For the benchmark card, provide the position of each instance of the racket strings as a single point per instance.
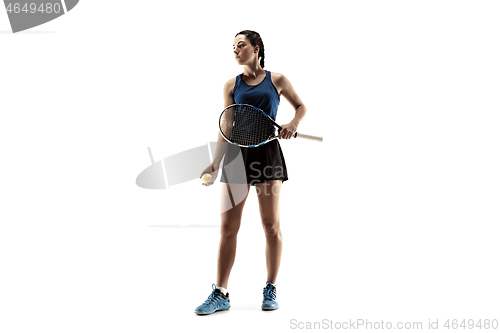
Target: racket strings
(246, 126)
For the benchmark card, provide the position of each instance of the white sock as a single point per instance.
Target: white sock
(223, 290)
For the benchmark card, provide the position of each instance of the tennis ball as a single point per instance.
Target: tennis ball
(206, 178)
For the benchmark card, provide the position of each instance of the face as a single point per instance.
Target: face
(243, 50)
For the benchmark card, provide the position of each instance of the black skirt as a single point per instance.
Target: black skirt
(254, 165)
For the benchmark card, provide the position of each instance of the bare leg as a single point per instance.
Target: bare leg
(269, 195)
(233, 195)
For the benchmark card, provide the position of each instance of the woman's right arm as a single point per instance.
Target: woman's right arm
(221, 142)
(213, 168)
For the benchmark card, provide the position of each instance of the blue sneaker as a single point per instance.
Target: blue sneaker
(216, 301)
(269, 302)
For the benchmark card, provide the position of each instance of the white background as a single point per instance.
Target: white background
(393, 217)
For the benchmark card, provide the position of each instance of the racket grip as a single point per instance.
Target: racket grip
(308, 137)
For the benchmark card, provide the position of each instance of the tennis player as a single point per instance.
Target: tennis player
(263, 167)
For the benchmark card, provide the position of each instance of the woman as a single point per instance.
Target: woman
(263, 167)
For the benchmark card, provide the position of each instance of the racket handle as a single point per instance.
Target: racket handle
(308, 137)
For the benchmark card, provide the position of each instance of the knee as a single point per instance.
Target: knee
(271, 227)
(227, 230)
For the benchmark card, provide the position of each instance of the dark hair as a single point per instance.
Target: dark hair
(255, 40)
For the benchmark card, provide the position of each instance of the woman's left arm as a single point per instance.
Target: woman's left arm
(300, 109)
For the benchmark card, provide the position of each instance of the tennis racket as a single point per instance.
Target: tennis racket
(245, 125)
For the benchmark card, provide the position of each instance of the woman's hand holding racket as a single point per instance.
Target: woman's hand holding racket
(209, 175)
(288, 130)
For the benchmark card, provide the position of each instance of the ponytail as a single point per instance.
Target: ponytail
(261, 54)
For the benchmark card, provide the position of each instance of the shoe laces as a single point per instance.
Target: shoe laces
(270, 292)
(214, 297)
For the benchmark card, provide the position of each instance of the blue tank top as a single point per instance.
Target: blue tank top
(263, 95)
